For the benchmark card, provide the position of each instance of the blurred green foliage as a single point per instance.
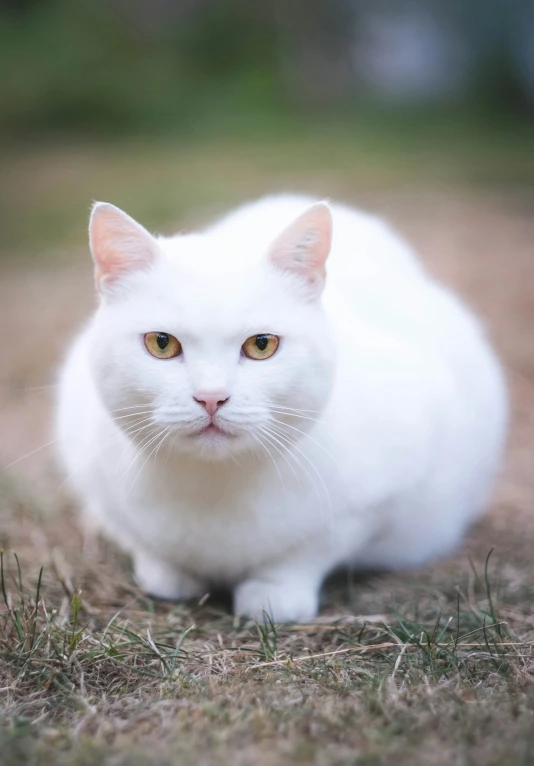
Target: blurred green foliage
(197, 66)
(96, 67)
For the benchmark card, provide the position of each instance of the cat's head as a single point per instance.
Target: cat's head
(216, 346)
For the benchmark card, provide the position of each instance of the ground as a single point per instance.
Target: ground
(428, 667)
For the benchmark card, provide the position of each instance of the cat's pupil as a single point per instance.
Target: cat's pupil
(262, 342)
(162, 339)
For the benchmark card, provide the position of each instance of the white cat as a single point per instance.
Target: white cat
(232, 416)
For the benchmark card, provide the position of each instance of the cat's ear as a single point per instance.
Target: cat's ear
(303, 247)
(119, 245)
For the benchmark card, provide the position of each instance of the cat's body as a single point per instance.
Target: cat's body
(382, 413)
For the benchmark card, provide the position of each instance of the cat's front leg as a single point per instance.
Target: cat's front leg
(284, 596)
(163, 580)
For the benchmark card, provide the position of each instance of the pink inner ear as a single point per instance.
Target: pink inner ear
(304, 246)
(119, 244)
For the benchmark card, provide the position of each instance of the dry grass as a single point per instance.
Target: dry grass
(436, 663)
(429, 667)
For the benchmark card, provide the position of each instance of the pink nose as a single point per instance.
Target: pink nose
(211, 402)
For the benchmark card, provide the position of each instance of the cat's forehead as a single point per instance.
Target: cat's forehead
(194, 289)
(203, 255)
(205, 271)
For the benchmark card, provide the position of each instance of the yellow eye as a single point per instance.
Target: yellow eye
(260, 346)
(162, 345)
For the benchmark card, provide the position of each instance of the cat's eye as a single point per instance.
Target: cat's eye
(260, 346)
(162, 345)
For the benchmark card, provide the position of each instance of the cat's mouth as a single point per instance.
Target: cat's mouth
(213, 430)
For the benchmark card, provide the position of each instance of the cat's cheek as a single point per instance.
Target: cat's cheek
(119, 381)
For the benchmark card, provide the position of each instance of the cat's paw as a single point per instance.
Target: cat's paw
(164, 581)
(283, 602)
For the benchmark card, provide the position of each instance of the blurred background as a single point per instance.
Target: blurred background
(175, 110)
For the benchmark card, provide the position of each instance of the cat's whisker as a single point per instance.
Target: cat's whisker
(295, 415)
(312, 465)
(282, 454)
(38, 388)
(167, 433)
(160, 436)
(262, 444)
(131, 407)
(285, 446)
(133, 415)
(146, 441)
(298, 410)
(29, 454)
(130, 431)
(235, 461)
(294, 409)
(138, 450)
(274, 427)
(170, 449)
(245, 414)
(303, 433)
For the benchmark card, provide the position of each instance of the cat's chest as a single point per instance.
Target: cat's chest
(221, 532)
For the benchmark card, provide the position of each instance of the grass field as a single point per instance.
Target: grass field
(428, 667)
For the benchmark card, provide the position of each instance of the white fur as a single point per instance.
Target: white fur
(392, 403)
